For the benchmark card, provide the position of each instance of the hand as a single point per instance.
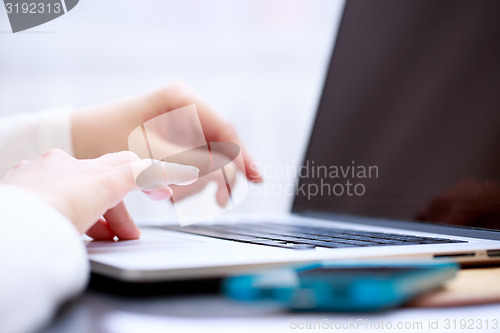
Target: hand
(89, 192)
(103, 129)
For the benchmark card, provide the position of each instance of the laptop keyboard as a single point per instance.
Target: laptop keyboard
(301, 237)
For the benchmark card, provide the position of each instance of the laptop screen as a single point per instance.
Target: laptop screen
(408, 126)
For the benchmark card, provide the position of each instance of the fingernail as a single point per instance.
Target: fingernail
(161, 174)
(180, 174)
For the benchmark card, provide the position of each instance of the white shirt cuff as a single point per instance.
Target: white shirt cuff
(43, 260)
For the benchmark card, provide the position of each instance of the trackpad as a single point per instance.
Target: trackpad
(150, 239)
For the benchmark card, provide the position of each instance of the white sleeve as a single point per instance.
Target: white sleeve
(26, 136)
(42, 260)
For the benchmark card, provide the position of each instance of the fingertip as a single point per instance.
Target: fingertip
(137, 233)
(179, 174)
(121, 223)
(100, 231)
(222, 196)
(159, 194)
(254, 175)
(255, 178)
(132, 233)
(222, 202)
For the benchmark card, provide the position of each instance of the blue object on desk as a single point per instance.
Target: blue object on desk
(341, 286)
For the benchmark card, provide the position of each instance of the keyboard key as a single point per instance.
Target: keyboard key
(286, 245)
(304, 237)
(395, 242)
(332, 245)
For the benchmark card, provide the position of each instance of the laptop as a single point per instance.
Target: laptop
(402, 160)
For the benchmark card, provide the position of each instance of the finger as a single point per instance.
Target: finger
(158, 195)
(179, 174)
(181, 192)
(120, 180)
(101, 231)
(115, 159)
(229, 134)
(159, 174)
(120, 222)
(152, 175)
(224, 195)
(214, 126)
(221, 195)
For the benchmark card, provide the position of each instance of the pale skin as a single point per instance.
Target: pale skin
(103, 179)
(105, 128)
(89, 192)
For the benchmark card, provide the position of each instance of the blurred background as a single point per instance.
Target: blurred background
(260, 62)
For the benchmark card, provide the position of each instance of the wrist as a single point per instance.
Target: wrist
(97, 131)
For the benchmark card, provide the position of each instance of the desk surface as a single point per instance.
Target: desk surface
(96, 311)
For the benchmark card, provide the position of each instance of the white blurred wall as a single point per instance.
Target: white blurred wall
(261, 62)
